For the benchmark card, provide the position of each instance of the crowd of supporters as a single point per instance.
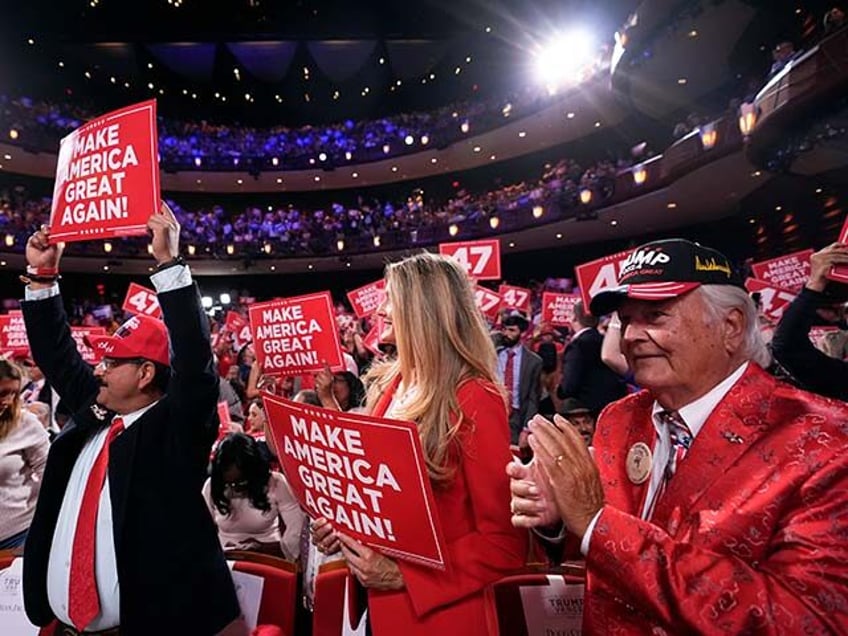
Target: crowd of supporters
(292, 230)
(206, 145)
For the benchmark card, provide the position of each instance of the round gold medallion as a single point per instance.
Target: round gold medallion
(639, 461)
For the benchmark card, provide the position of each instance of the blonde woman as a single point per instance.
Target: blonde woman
(444, 380)
(23, 454)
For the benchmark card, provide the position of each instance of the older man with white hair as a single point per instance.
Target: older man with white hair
(716, 498)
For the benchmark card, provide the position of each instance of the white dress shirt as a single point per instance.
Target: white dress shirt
(694, 414)
(515, 390)
(105, 563)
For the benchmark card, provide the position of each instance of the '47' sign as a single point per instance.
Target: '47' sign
(481, 259)
(515, 298)
(143, 301)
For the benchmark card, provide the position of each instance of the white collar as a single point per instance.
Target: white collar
(580, 332)
(695, 413)
(130, 418)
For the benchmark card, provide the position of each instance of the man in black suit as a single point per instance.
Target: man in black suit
(122, 541)
(520, 371)
(584, 375)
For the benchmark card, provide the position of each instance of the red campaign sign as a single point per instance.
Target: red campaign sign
(366, 299)
(558, 309)
(788, 272)
(142, 301)
(372, 338)
(240, 328)
(366, 475)
(13, 333)
(599, 274)
(79, 335)
(840, 272)
(107, 176)
(224, 421)
(481, 259)
(296, 335)
(487, 301)
(774, 299)
(515, 298)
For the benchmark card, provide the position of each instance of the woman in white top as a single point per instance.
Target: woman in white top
(23, 454)
(252, 506)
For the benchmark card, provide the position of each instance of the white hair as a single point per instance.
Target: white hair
(721, 299)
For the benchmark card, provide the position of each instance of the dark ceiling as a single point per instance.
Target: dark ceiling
(195, 47)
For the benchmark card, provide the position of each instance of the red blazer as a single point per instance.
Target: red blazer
(751, 535)
(482, 546)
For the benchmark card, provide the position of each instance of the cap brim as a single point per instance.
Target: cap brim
(608, 300)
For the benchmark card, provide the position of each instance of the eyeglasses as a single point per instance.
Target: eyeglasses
(110, 363)
(237, 486)
(6, 393)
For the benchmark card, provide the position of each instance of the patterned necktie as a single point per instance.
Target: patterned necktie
(681, 440)
(509, 375)
(83, 601)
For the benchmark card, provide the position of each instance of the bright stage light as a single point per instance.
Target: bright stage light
(561, 59)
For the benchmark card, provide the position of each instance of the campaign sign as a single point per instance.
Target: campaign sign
(236, 324)
(296, 335)
(142, 301)
(107, 177)
(558, 309)
(365, 475)
(487, 301)
(13, 333)
(515, 298)
(774, 299)
(224, 420)
(371, 340)
(481, 259)
(365, 300)
(788, 272)
(79, 334)
(599, 274)
(840, 272)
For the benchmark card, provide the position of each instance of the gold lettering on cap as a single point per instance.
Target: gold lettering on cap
(711, 265)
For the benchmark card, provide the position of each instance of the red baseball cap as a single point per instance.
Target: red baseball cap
(139, 337)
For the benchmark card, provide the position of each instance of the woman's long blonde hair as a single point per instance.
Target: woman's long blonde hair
(442, 341)
(9, 419)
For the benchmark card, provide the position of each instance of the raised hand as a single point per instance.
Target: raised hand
(822, 261)
(40, 253)
(166, 234)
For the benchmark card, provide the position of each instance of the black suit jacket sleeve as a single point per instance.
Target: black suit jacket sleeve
(792, 347)
(55, 352)
(193, 391)
(535, 393)
(573, 370)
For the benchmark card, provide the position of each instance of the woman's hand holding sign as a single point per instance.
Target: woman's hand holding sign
(372, 569)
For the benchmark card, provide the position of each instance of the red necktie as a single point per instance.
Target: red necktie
(681, 439)
(83, 602)
(509, 375)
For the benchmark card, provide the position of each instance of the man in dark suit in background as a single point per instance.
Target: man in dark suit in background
(584, 375)
(520, 371)
(122, 542)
